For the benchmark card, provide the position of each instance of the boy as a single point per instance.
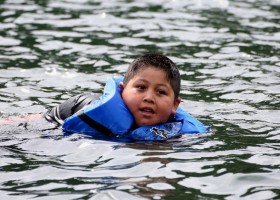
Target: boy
(150, 90)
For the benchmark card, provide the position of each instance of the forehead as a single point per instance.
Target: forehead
(153, 76)
(150, 70)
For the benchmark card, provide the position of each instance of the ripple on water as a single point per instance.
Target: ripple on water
(4, 41)
(227, 53)
(235, 185)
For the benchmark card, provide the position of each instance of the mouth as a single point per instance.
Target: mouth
(147, 111)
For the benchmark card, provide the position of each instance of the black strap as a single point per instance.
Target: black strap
(94, 124)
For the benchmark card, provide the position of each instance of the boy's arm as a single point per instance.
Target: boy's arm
(20, 119)
(62, 111)
(55, 115)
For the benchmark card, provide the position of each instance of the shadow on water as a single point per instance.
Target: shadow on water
(227, 52)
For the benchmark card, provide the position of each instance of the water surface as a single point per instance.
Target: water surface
(228, 55)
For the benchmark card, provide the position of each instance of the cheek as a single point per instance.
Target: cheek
(130, 101)
(172, 108)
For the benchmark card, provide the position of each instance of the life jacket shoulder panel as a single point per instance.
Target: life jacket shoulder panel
(108, 113)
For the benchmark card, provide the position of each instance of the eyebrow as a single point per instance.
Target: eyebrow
(159, 84)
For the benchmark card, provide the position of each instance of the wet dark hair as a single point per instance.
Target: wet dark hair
(158, 61)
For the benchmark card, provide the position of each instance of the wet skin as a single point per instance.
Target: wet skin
(150, 97)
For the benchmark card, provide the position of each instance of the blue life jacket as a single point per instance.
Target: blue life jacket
(110, 116)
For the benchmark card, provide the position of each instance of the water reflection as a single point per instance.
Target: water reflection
(227, 51)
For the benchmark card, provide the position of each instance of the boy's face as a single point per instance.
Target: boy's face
(150, 97)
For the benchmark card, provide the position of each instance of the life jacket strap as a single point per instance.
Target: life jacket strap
(94, 124)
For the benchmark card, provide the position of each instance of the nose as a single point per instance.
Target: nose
(149, 96)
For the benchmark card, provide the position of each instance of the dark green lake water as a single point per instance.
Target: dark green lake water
(228, 54)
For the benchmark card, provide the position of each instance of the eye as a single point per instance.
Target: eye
(162, 92)
(141, 87)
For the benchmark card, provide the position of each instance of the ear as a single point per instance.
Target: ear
(121, 85)
(175, 106)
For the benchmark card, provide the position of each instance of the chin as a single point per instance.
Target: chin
(144, 124)
(149, 124)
